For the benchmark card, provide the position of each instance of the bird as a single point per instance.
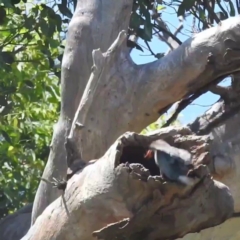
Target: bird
(174, 163)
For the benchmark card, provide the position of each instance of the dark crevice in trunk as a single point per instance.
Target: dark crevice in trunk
(134, 154)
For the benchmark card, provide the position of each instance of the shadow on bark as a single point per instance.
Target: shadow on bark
(122, 196)
(16, 225)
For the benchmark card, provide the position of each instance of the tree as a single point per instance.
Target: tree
(98, 85)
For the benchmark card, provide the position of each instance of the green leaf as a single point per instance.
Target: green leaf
(44, 26)
(29, 83)
(10, 148)
(148, 31)
(64, 10)
(15, 122)
(15, 2)
(232, 9)
(221, 15)
(185, 6)
(160, 7)
(2, 15)
(133, 44)
(6, 136)
(202, 14)
(7, 57)
(135, 20)
(144, 11)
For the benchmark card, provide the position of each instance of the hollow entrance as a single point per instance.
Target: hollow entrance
(135, 154)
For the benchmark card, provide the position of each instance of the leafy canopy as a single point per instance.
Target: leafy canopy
(30, 50)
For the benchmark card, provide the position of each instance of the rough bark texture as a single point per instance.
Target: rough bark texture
(91, 27)
(116, 96)
(116, 191)
(132, 95)
(229, 230)
(225, 150)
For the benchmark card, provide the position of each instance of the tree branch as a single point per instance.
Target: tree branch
(188, 100)
(121, 181)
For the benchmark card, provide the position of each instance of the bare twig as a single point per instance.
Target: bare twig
(61, 185)
(222, 9)
(150, 50)
(188, 100)
(181, 105)
(167, 32)
(201, 105)
(211, 11)
(219, 90)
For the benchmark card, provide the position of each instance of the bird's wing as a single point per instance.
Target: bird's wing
(163, 146)
(177, 154)
(159, 145)
(185, 156)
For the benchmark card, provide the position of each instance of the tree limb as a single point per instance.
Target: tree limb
(132, 95)
(126, 194)
(188, 100)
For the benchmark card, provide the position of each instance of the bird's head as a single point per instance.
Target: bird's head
(149, 154)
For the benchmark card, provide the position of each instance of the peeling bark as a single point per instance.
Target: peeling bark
(225, 164)
(116, 96)
(133, 95)
(91, 27)
(226, 152)
(224, 149)
(117, 191)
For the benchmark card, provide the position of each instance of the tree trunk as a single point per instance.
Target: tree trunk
(91, 27)
(226, 151)
(116, 197)
(115, 96)
(120, 88)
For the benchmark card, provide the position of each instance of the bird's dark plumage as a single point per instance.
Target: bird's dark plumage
(174, 163)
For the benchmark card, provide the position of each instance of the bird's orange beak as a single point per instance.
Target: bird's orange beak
(149, 154)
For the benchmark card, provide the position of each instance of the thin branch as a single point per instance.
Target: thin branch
(150, 50)
(181, 105)
(167, 32)
(211, 11)
(188, 100)
(222, 8)
(238, 7)
(219, 90)
(167, 37)
(180, 27)
(201, 105)
(219, 120)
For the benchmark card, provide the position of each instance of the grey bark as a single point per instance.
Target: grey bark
(114, 199)
(225, 151)
(132, 95)
(91, 27)
(121, 96)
